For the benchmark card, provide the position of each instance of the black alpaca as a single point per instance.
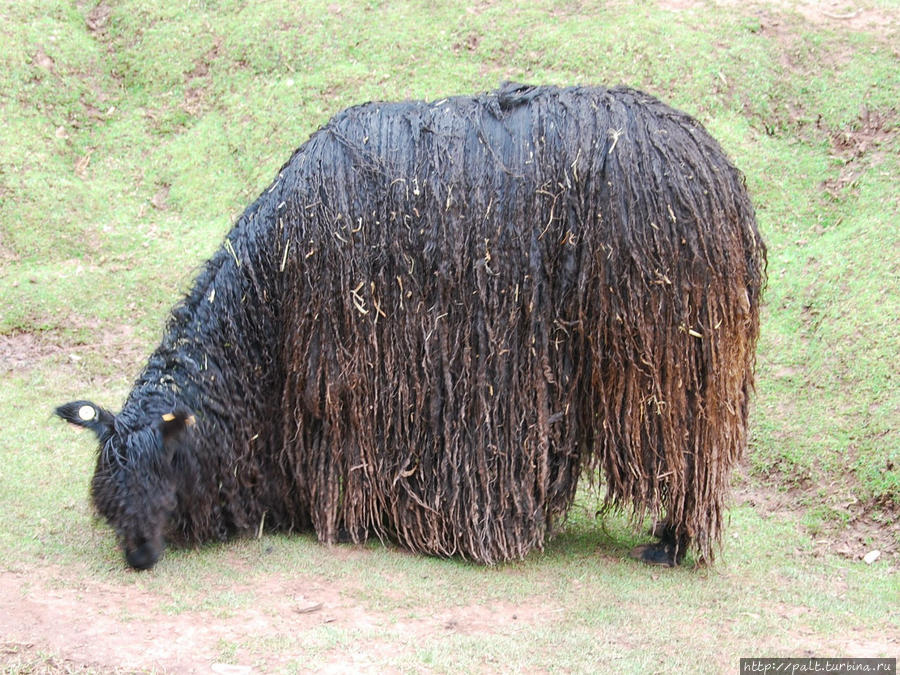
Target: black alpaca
(437, 318)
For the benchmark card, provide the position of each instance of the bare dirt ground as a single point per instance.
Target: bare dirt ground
(81, 627)
(844, 14)
(53, 622)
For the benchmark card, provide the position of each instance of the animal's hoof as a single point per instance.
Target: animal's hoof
(655, 554)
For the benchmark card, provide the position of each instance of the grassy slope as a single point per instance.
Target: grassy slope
(132, 135)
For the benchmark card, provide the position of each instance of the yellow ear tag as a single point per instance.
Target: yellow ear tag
(87, 413)
(168, 417)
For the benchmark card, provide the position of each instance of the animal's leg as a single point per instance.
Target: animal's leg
(670, 549)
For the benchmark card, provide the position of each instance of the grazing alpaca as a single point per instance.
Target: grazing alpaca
(437, 318)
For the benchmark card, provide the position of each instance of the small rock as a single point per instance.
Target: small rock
(306, 608)
(871, 557)
(43, 60)
(159, 200)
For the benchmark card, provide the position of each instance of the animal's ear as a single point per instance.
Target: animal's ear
(88, 415)
(173, 423)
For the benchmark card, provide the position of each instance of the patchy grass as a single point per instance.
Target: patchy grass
(133, 133)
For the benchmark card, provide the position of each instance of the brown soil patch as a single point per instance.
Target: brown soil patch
(679, 5)
(786, 33)
(883, 22)
(861, 528)
(21, 351)
(848, 15)
(872, 129)
(97, 19)
(857, 147)
(51, 622)
(197, 80)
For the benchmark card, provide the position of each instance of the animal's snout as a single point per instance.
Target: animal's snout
(144, 556)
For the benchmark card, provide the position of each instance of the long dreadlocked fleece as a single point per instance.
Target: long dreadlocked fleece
(440, 315)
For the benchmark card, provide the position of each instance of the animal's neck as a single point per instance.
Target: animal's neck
(220, 356)
(221, 359)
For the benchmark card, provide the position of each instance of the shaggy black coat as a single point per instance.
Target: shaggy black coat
(437, 318)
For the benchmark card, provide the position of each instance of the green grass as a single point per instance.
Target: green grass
(127, 150)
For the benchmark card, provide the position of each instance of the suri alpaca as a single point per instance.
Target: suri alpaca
(437, 318)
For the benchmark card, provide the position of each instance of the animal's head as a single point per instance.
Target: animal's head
(134, 483)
